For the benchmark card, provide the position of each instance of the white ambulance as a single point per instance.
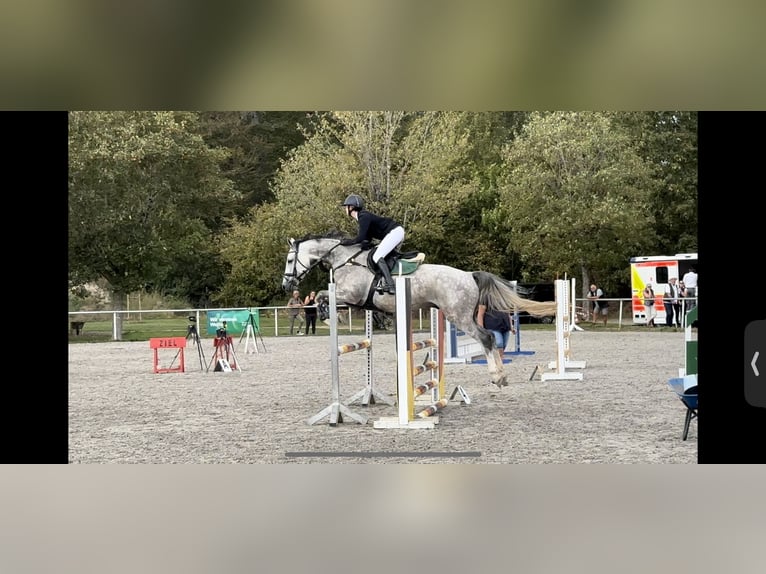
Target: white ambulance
(657, 270)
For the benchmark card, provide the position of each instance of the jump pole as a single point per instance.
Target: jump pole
(460, 350)
(563, 348)
(573, 326)
(405, 346)
(517, 337)
(369, 394)
(335, 410)
(469, 351)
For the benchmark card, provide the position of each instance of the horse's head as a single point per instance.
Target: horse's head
(303, 255)
(292, 274)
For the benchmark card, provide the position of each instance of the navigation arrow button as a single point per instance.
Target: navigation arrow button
(755, 386)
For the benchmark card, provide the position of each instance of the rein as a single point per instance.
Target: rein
(350, 260)
(308, 269)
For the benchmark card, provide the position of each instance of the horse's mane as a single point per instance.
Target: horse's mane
(333, 234)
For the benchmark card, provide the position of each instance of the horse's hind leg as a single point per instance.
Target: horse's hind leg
(494, 362)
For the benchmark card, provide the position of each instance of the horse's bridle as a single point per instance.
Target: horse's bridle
(294, 277)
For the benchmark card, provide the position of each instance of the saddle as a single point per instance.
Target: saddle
(398, 263)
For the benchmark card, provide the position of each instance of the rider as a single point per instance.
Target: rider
(372, 226)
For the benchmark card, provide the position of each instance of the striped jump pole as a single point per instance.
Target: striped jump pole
(351, 347)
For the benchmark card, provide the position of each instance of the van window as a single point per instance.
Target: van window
(662, 274)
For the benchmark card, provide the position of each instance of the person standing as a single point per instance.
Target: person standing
(670, 300)
(310, 309)
(294, 311)
(683, 304)
(690, 282)
(600, 308)
(499, 324)
(371, 226)
(651, 312)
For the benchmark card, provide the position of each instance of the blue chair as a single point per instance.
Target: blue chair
(686, 390)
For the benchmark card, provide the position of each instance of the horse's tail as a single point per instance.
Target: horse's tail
(497, 293)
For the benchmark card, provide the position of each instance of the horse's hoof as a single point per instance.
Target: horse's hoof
(501, 383)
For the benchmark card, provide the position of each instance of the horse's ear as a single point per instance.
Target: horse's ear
(291, 241)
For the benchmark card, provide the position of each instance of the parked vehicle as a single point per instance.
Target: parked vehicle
(656, 269)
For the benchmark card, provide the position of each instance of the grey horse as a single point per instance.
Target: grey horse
(457, 293)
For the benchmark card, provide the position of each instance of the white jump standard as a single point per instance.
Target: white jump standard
(563, 331)
(406, 371)
(336, 410)
(368, 394)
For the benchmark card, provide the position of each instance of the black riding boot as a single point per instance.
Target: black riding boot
(388, 285)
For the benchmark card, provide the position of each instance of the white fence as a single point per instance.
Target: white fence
(620, 314)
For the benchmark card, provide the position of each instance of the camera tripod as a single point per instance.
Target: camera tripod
(191, 333)
(252, 330)
(224, 357)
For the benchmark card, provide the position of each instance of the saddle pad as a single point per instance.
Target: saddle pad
(405, 267)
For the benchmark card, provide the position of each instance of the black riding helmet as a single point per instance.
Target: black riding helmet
(354, 201)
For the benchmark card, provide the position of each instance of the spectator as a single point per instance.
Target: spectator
(682, 303)
(690, 282)
(651, 312)
(294, 311)
(670, 300)
(600, 307)
(310, 309)
(499, 324)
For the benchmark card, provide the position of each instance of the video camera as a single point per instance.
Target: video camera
(221, 332)
(191, 328)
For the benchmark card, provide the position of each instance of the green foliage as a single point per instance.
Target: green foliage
(575, 199)
(257, 142)
(668, 142)
(144, 191)
(199, 206)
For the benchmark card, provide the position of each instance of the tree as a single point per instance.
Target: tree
(257, 142)
(146, 197)
(668, 141)
(576, 199)
(423, 169)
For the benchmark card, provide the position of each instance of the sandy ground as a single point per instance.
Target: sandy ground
(621, 412)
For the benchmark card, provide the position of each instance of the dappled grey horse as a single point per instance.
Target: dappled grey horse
(457, 293)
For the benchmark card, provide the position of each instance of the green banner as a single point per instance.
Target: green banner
(236, 321)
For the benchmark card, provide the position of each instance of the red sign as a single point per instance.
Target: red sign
(167, 343)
